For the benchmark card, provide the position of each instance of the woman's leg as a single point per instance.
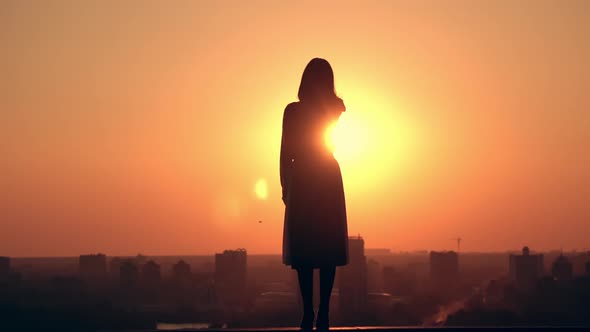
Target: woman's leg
(327, 275)
(305, 276)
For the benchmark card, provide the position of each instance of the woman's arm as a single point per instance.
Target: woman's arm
(286, 158)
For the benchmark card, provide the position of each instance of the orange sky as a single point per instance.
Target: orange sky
(144, 126)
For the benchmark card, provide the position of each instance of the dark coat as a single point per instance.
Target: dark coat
(315, 231)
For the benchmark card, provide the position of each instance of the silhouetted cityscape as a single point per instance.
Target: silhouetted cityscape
(233, 289)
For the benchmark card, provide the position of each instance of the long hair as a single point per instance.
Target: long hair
(317, 85)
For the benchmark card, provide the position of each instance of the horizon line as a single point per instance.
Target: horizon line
(418, 251)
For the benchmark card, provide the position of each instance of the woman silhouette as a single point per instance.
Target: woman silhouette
(315, 231)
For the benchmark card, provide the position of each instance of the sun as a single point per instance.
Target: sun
(347, 138)
(373, 142)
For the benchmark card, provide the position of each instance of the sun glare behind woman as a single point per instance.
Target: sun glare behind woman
(329, 136)
(346, 138)
(374, 140)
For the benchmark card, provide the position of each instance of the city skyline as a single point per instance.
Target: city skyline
(235, 289)
(278, 253)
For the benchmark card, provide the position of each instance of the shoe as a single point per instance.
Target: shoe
(307, 321)
(322, 323)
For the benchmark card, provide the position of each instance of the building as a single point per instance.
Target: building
(578, 261)
(494, 293)
(374, 276)
(181, 270)
(230, 277)
(93, 267)
(444, 267)
(399, 282)
(352, 286)
(128, 273)
(588, 268)
(525, 269)
(182, 275)
(115, 267)
(151, 273)
(562, 269)
(4, 266)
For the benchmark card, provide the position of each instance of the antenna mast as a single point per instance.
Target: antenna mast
(458, 239)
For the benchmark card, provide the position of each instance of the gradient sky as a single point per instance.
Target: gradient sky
(154, 126)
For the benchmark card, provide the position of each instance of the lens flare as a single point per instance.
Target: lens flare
(261, 189)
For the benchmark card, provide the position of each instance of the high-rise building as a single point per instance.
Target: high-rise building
(526, 269)
(588, 268)
(4, 266)
(562, 269)
(93, 267)
(151, 273)
(231, 277)
(182, 275)
(399, 282)
(374, 276)
(352, 284)
(494, 293)
(115, 267)
(181, 270)
(444, 267)
(578, 260)
(128, 273)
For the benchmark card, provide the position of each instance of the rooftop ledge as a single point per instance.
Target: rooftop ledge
(186, 327)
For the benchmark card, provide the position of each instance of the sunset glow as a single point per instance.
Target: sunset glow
(156, 128)
(349, 138)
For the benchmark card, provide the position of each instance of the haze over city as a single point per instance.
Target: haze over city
(138, 126)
